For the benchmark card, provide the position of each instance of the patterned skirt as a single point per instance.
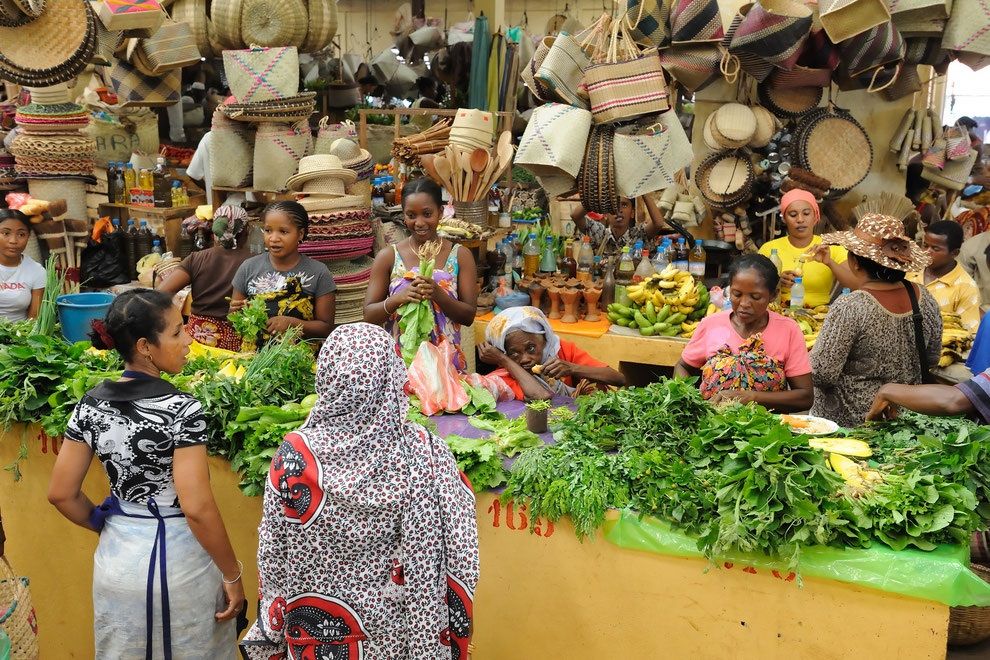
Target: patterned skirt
(213, 331)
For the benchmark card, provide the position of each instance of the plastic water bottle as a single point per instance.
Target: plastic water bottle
(660, 260)
(697, 261)
(726, 300)
(681, 256)
(586, 260)
(645, 267)
(637, 251)
(845, 291)
(775, 258)
(797, 293)
(156, 247)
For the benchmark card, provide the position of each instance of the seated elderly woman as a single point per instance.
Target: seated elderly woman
(535, 363)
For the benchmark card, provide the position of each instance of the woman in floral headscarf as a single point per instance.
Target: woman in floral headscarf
(369, 538)
(211, 273)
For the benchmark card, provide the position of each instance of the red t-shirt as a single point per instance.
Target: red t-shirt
(569, 352)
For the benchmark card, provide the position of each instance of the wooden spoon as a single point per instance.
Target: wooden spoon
(442, 166)
(480, 159)
(486, 180)
(455, 171)
(504, 151)
(467, 181)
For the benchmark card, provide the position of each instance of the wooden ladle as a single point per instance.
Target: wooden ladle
(426, 160)
(480, 159)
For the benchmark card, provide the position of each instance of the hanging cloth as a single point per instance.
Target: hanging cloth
(478, 84)
(496, 62)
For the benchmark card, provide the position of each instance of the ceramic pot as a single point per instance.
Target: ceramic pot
(571, 298)
(536, 420)
(554, 294)
(536, 290)
(591, 296)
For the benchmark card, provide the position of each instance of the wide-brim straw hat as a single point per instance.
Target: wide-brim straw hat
(733, 125)
(766, 126)
(321, 166)
(352, 156)
(53, 48)
(324, 185)
(881, 238)
(317, 203)
(289, 109)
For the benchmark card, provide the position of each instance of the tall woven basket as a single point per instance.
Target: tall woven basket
(17, 617)
(970, 625)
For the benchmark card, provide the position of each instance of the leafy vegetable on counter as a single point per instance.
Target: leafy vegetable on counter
(250, 322)
(479, 459)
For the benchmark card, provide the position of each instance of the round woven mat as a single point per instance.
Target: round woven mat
(735, 122)
(838, 149)
(766, 125)
(792, 101)
(266, 23)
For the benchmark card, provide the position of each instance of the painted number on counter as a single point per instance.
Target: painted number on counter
(786, 577)
(517, 520)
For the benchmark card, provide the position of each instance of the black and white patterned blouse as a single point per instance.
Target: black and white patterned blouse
(134, 427)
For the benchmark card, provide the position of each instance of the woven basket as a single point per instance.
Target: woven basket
(285, 111)
(773, 31)
(322, 25)
(836, 147)
(231, 152)
(262, 74)
(52, 49)
(647, 161)
(266, 23)
(791, 101)
(73, 192)
(330, 133)
(766, 126)
(844, 19)
(724, 179)
(17, 616)
(193, 12)
(225, 16)
(970, 625)
(278, 149)
(553, 144)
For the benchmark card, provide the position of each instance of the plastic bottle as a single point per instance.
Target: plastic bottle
(510, 257)
(119, 186)
(845, 291)
(681, 255)
(586, 260)
(775, 258)
(185, 247)
(531, 256)
(697, 261)
(130, 182)
(156, 246)
(570, 263)
(129, 239)
(670, 251)
(727, 301)
(797, 293)
(608, 288)
(377, 192)
(161, 184)
(176, 194)
(112, 182)
(596, 269)
(548, 262)
(645, 267)
(142, 242)
(624, 272)
(660, 260)
(637, 252)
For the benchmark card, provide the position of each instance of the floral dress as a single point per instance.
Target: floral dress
(749, 369)
(443, 327)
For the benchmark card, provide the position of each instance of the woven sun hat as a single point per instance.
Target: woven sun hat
(766, 126)
(707, 134)
(53, 48)
(317, 203)
(733, 125)
(62, 117)
(352, 156)
(322, 166)
(835, 146)
(291, 109)
(473, 129)
(881, 238)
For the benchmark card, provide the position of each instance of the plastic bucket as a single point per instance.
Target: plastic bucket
(77, 310)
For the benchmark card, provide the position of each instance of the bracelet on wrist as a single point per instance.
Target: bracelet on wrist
(240, 572)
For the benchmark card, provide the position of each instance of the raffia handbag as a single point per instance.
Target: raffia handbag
(173, 46)
(954, 175)
(647, 156)
(872, 50)
(956, 143)
(231, 152)
(625, 83)
(915, 10)
(278, 148)
(135, 89)
(693, 66)
(773, 31)
(649, 21)
(17, 617)
(844, 19)
(262, 74)
(967, 30)
(538, 88)
(562, 70)
(553, 144)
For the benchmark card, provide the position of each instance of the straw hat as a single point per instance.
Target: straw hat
(733, 125)
(766, 126)
(316, 203)
(53, 48)
(60, 118)
(881, 238)
(50, 95)
(473, 129)
(321, 174)
(19, 12)
(351, 155)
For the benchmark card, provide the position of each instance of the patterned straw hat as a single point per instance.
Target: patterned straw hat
(353, 157)
(322, 174)
(881, 238)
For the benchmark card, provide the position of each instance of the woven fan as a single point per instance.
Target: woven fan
(886, 203)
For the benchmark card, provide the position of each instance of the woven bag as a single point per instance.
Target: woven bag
(954, 175)
(193, 12)
(172, 47)
(266, 23)
(649, 21)
(919, 10)
(225, 24)
(967, 29)
(956, 143)
(871, 50)
(625, 84)
(278, 148)
(693, 21)
(322, 25)
(773, 31)
(262, 74)
(138, 90)
(17, 617)
(906, 83)
(538, 88)
(554, 142)
(935, 156)
(562, 70)
(118, 133)
(596, 181)
(693, 66)
(329, 133)
(231, 152)
(647, 158)
(844, 19)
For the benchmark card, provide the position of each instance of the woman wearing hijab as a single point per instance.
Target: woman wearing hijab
(534, 362)
(211, 274)
(368, 545)
(801, 254)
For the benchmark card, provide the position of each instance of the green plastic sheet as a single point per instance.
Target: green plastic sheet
(941, 575)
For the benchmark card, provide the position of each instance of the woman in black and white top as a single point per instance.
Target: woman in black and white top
(164, 555)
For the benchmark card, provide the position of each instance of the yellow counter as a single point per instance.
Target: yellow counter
(541, 595)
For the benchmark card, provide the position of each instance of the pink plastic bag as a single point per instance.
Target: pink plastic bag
(434, 380)
(492, 383)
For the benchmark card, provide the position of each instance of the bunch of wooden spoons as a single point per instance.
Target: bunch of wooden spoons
(469, 174)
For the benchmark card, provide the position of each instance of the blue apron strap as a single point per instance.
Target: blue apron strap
(160, 537)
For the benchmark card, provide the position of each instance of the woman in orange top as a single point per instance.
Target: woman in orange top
(534, 362)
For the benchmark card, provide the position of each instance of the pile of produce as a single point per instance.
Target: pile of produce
(459, 230)
(738, 479)
(481, 458)
(810, 320)
(956, 340)
(666, 304)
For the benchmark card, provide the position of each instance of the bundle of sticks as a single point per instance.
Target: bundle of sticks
(431, 141)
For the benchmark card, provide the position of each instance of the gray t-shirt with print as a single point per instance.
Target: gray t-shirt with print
(257, 276)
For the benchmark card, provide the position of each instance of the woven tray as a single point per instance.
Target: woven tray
(725, 179)
(790, 102)
(836, 147)
(970, 625)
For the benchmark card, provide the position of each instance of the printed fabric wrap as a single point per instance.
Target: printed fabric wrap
(749, 369)
(368, 544)
(262, 74)
(647, 162)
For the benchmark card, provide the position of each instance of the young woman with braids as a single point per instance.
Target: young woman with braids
(166, 582)
(298, 291)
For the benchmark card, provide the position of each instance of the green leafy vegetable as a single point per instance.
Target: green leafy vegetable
(479, 459)
(251, 320)
(416, 318)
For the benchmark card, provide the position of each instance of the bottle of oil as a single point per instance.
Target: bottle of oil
(130, 182)
(531, 256)
(161, 184)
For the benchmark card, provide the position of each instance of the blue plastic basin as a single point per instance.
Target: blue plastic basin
(76, 311)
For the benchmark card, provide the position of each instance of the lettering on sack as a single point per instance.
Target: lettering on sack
(521, 523)
(12, 286)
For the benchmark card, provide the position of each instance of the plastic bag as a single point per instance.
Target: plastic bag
(495, 385)
(434, 380)
(104, 260)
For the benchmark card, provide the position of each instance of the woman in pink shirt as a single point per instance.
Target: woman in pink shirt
(751, 353)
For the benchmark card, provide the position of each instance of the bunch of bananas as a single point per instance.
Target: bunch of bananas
(808, 319)
(956, 340)
(666, 304)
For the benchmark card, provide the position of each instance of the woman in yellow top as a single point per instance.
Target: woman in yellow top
(801, 253)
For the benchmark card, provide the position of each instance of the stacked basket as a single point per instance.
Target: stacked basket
(340, 233)
(50, 143)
